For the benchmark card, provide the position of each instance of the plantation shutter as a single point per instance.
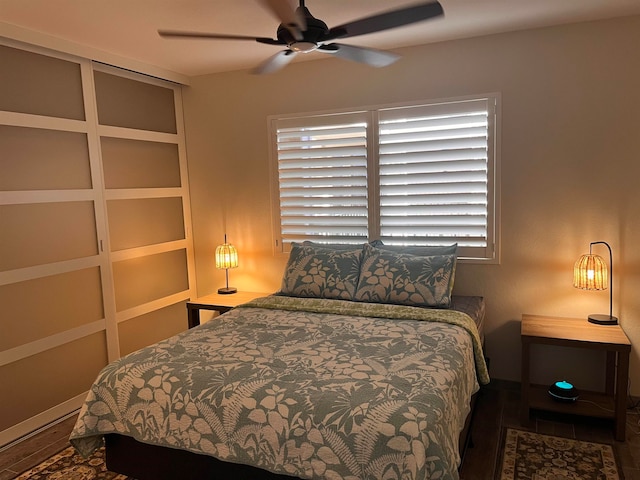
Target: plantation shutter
(434, 175)
(322, 175)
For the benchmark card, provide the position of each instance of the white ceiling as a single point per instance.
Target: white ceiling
(128, 28)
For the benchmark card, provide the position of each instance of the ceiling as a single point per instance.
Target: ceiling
(128, 28)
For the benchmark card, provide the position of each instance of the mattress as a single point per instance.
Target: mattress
(474, 307)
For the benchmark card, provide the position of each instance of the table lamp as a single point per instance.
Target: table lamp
(590, 273)
(226, 257)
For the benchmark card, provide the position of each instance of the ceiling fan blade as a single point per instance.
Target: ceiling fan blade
(289, 16)
(370, 56)
(275, 62)
(385, 21)
(217, 36)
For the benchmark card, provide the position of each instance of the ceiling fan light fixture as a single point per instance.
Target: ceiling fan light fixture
(303, 47)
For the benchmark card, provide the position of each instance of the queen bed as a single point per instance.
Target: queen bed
(341, 375)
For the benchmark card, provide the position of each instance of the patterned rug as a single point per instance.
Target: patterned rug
(68, 465)
(533, 456)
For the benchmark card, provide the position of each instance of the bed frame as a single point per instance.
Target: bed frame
(142, 461)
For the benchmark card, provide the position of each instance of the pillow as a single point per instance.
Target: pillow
(423, 250)
(405, 279)
(318, 272)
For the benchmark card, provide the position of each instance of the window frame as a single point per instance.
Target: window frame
(492, 250)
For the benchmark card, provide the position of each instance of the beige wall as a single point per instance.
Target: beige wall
(570, 167)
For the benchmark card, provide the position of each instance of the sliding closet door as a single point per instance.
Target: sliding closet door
(147, 203)
(52, 318)
(95, 249)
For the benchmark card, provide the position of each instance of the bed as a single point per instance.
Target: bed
(340, 375)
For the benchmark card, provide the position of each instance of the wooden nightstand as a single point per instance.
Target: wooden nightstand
(219, 303)
(578, 332)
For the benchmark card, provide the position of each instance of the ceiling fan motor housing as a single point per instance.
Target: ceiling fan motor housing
(315, 32)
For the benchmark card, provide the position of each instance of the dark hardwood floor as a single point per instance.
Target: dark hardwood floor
(30, 452)
(497, 408)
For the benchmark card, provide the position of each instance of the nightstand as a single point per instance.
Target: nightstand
(578, 332)
(219, 303)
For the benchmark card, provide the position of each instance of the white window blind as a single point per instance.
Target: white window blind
(408, 175)
(434, 175)
(322, 175)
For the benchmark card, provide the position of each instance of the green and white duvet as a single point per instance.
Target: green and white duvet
(324, 389)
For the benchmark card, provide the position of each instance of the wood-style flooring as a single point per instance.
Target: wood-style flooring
(30, 452)
(497, 408)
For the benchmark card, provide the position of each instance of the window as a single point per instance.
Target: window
(408, 175)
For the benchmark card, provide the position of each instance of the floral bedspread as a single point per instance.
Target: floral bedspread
(324, 389)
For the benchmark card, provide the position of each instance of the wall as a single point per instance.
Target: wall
(569, 165)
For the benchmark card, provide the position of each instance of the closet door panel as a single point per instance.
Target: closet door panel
(40, 85)
(146, 188)
(128, 103)
(144, 279)
(52, 273)
(153, 327)
(147, 221)
(44, 306)
(40, 233)
(39, 382)
(40, 159)
(139, 164)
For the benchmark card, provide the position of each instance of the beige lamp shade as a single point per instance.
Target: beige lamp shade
(590, 273)
(226, 256)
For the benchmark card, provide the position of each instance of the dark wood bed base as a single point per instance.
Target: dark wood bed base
(151, 462)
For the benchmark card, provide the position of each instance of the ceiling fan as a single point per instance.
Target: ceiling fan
(301, 32)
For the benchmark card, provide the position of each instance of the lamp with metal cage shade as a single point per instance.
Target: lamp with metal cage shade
(590, 273)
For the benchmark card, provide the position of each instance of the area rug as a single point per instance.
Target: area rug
(533, 456)
(69, 465)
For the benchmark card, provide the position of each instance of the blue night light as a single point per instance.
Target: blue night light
(564, 385)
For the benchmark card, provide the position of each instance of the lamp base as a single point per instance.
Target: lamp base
(227, 290)
(603, 319)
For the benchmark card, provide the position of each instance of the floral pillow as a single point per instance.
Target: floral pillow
(318, 272)
(402, 278)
